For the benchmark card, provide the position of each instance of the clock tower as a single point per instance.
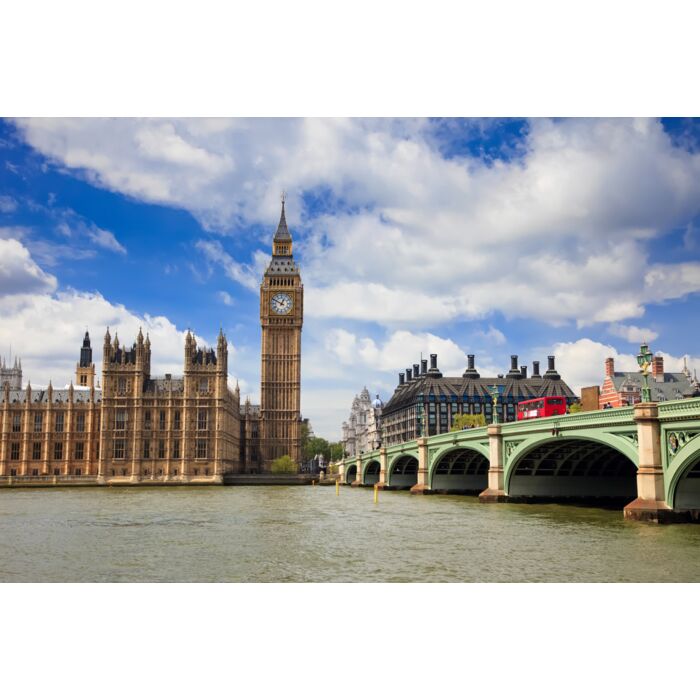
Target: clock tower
(281, 317)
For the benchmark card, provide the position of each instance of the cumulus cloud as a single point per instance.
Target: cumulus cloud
(632, 334)
(246, 275)
(19, 274)
(559, 233)
(582, 362)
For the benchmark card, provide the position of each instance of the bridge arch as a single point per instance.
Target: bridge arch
(574, 466)
(683, 478)
(350, 473)
(402, 471)
(460, 469)
(370, 472)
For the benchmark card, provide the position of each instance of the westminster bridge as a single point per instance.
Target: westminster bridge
(645, 457)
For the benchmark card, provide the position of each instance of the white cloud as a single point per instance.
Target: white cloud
(19, 274)
(492, 336)
(632, 334)
(558, 235)
(246, 275)
(105, 239)
(582, 362)
(7, 204)
(400, 349)
(226, 298)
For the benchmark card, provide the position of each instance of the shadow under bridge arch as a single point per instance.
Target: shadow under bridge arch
(403, 472)
(573, 469)
(370, 474)
(350, 473)
(461, 470)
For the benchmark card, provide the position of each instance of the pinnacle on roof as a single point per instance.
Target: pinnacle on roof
(282, 233)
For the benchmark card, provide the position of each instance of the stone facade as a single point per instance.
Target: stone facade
(140, 429)
(362, 431)
(11, 375)
(281, 318)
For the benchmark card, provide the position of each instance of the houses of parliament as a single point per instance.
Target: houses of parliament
(142, 429)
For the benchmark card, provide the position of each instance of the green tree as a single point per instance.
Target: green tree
(336, 451)
(284, 465)
(465, 420)
(575, 407)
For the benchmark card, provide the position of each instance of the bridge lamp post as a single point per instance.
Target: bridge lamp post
(420, 415)
(493, 390)
(644, 361)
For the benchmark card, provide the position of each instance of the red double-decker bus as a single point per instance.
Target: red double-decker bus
(541, 408)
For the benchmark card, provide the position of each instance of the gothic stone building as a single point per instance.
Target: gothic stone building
(426, 403)
(362, 430)
(142, 429)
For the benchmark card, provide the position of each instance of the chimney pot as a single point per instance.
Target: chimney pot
(550, 361)
(401, 378)
(433, 361)
(408, 375)
(424, 366)
(523, 371)
(514, 363)
(416, 371)
(470, 361)
(536, 368)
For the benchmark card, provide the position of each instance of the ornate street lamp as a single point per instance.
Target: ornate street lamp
(644, 361)
(494, 391)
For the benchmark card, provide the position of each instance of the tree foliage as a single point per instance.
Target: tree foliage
(284, 465)
(466, 420)
(575, 408)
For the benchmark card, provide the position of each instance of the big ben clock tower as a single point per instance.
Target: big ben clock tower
(281, 317)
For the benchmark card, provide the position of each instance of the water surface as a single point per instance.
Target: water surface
(295, 533)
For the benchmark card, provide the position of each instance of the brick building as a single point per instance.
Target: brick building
(625, 388)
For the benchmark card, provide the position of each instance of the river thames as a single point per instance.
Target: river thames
(308, 534)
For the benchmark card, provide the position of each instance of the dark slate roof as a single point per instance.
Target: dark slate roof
(282, 265)
(407, 394)
(675, 386)
(59, 396)
(162, 385)
(282, 233)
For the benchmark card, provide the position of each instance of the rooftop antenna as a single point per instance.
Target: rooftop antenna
(284, 196)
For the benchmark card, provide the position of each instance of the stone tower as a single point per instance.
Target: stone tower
(11, 376)
(281, 317)
(85, 369)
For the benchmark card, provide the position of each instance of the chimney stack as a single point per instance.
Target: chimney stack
(401, 378)
(416, 371)
(536, 369)
(523, 371)
(408, 374)
(551, 371)
(470, 371)
(433, 361)
(657, 368)
(609, 367)
(424, 366)
(514, 371)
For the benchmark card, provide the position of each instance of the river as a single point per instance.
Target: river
(296, 533)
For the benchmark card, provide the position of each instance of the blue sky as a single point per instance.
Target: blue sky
(573, 237)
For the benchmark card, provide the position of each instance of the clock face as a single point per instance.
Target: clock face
(281, 304)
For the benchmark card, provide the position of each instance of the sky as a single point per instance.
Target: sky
(573, 237)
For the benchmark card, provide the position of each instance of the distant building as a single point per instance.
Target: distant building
(426, 403)
(625, 388)
(362, 431)
(12, 376)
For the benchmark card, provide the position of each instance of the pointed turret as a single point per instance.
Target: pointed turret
(282, 241)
